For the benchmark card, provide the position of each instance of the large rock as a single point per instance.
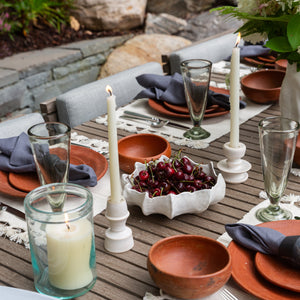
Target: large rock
(110, 14)
(164, 23)
(172, 7)
(196, 28)
(179, 8)
(140, 50)
(196, 6)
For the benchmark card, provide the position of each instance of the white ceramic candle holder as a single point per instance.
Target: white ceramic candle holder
(233, 168)
(118, 237)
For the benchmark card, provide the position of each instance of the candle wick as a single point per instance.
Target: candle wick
(68, 226)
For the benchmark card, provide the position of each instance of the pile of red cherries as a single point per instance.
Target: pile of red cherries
(172, 176)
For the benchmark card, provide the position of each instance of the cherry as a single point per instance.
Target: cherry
(165, 186)
(169, 172)
(156, 192)
(143, 175)
(185, 161)
(177, 164)
(188, 168)
(210, 179)
(161, 166)
(172, 192)
(171, 177)
(179, 175)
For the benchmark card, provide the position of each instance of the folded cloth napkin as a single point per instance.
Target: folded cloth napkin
(267, 241)
(252, 51)
(16, 156)
(170, 88)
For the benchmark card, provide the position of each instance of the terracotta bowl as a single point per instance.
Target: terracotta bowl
(281, 64)
(263, 86)
(189, 266)
(141, 147)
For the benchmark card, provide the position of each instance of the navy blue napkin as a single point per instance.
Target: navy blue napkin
(16, 156)
(252, 51)
(267, 241)
(170, 88)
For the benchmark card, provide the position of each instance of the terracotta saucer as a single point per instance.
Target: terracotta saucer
(245, 273)
(287, 277)
(182, 111)
(259, 63)
(88, 156)
(29, 181)
(281, 64)
(268, 58)
(185, 110)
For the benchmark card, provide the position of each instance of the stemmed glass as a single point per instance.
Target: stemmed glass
(277, 137)
(196, 77)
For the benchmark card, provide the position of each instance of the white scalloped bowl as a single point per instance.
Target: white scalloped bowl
(174, 205)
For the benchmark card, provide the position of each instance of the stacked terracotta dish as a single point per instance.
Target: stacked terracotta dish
(266, 276)
(182, 112)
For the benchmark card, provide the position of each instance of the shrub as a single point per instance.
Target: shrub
(21, 15)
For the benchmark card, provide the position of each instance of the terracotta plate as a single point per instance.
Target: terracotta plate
(185, 110)
(259, 63)
(29, 181)
(25, 181)
(278, 272)
(245, 273)
(182, 111)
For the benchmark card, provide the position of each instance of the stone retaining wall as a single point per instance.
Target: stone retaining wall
(27, 79)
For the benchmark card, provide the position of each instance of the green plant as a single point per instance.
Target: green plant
(25, 13)
(274, 21)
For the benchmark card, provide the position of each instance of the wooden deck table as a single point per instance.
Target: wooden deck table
(125, 276)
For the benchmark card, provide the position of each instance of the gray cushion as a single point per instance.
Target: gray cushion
(214, 50)
(89, 101)
(16, 126)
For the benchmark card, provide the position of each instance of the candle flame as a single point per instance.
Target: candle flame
(238, 39)
(67, 221)
(109, 90)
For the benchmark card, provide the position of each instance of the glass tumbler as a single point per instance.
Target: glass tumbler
(196, 78)
(62, 243)
(50, 144)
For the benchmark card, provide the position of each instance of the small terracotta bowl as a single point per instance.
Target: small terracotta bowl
(141, 147)
(189, 266)
(263, 86)
(281, 64)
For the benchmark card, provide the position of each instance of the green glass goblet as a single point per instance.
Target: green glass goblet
(196, 77)
(277, 137)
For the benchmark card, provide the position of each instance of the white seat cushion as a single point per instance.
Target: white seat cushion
(89, 101)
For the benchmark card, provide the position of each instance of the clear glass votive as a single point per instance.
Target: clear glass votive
(62, 242)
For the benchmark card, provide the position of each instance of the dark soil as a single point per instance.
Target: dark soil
(43, 37)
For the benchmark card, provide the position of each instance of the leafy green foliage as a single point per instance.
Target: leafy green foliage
(277, 22)
(293, 32)
(26, 13)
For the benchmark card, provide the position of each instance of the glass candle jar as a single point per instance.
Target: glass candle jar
(61, 242)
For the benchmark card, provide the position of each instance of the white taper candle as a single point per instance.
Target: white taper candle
(115, 182)
(235, 96)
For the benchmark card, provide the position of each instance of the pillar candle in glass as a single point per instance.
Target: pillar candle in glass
(62, 243)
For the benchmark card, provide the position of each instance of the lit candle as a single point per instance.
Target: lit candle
(68, 251)
(235, 95)
(115, 182)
